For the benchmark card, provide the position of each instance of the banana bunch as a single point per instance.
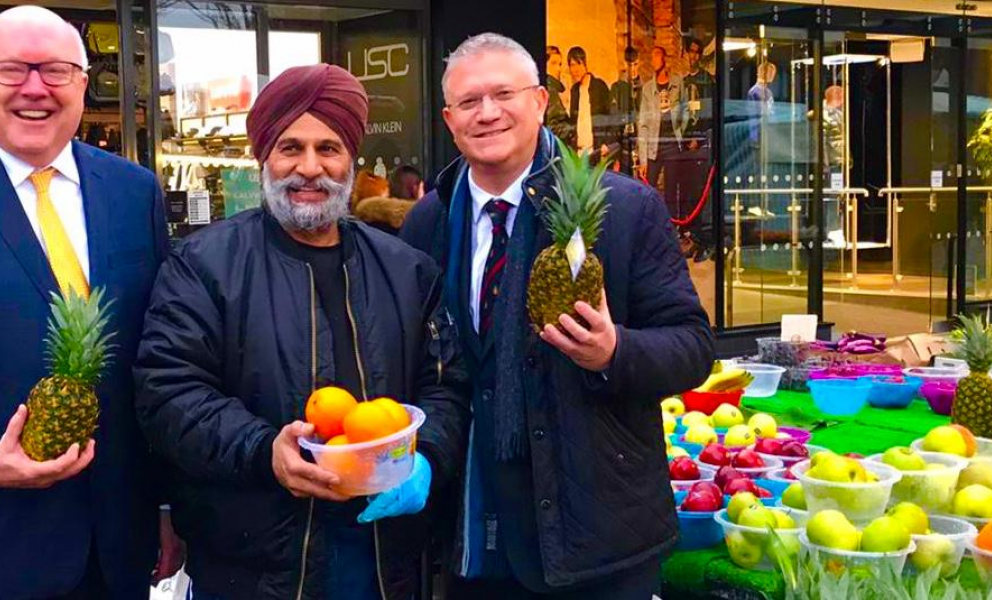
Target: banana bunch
(726, 380)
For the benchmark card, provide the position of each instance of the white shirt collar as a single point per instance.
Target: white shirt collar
(513, 194)
(18, 171)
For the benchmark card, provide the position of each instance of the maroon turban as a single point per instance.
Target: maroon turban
(327, 92)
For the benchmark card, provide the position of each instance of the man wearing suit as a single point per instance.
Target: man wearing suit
(83, 525)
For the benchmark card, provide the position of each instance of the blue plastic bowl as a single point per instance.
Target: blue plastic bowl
(839, 397)
(890, 394)
(697, 529)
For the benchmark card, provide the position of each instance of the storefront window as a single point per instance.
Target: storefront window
(214, 57)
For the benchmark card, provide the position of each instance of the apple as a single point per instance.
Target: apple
(764, 425)
(763, 493)
(984, 540)
(970, 443)
(784, 521)
(739, 502)
(945, 439)
(769, 445)
(668, 421)
(831, 529)
(794, 497)
(738, 436)
(789, 474)
(913, 517)
(747, 459)
(677, 451)
(703, 496)
(683, 468)
(885, 534)
(904, 459)
(839, 469)
(934, 550)
(726, 474)
(695, 418)
(854, 455)
(715, 454)
(727, 415)
(817, 458)
(741, 484)
(745, 552)
(757, 515)
(701, 434)
(673, 405)
(976, 473)
(973, 501)
(794, 449)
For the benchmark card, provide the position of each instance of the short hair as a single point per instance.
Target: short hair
(482, 44)
(551, 51)
(662, 49)
(404, 182)
(694, 42)
(577, 54)
(767, 70)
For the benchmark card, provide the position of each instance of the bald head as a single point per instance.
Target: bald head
(27, 21)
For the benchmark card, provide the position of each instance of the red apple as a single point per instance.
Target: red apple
(683, 468)
(725, 475)
(715, 454)
(794, 449)
(703, 497)
(741, 484)
(854, 455)
(763, 493)
(769, 445)
(747, 459)
(790, 475)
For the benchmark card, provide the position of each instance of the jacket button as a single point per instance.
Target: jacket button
(621, 457)
(531, 191)
(538, 434)
(545, 504)
(245, 534)
(487, 395)
(531, 362)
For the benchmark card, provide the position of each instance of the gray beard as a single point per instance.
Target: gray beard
(307, 217)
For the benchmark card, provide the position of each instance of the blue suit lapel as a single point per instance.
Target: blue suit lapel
(16, 232)
(96, 207)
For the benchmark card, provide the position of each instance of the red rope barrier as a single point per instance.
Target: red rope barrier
(699, 205)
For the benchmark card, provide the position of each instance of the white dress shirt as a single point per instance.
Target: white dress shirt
(65, 193)
(482, 232)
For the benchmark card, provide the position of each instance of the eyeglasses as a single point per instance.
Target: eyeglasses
(54, 73)
(503, 96)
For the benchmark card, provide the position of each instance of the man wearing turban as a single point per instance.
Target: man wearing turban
(251, 315)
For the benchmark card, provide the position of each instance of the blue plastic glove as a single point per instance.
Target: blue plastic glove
(405, 499)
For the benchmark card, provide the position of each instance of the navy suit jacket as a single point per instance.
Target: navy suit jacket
(45, 535)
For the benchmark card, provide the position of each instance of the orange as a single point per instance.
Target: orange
(366, 422)
(326, 409)
(984, 540)
(400, 417)
(971, 445)
(338, 440)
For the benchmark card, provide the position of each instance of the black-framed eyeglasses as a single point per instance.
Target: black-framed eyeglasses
(54, 73)
(502, 96)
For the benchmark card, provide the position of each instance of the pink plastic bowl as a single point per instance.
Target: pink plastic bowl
(940, 395)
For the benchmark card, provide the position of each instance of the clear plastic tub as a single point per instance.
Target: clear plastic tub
(788, 461)
(766, 379)
(774, 351)
(706, 473)
(748, 546)
(932, 490)
(983, 559)
(983, 452)
(860, 502)
(800, 516)
(837, 560)
(935, 373)
(839, 397)
(945, 546)
(772, 463)
(371, 467)
(779, 475)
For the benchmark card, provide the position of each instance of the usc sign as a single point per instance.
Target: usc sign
(381, 62)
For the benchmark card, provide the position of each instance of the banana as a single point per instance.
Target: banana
(717, 367)
(726, 381)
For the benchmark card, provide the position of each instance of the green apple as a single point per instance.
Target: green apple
(695, 418)
(973, 501)
(979, 473)
(831, 529)
(913, 517)
(945, 439)
(819, 457)
(701, 434)
(668, 421)
(784, 521)
(794, 497)
(885, 534)
(934, 550)
(757, 515)
(745, 552)
(727, 415)
(738, 436)
(904, 459)
(839, 469)
(677, 451)
(738, 503)
(673, 405)
(764, 425)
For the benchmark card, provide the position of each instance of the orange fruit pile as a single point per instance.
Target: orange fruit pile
(340, 419)
(985, 538)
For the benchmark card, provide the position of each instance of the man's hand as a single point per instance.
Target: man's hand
(171, 552)
(591, 348)
(642, 172)
(18, 470)
(301, 478)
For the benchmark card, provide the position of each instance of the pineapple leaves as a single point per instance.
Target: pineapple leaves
(76, 346)
(974, 340)
(581, 199)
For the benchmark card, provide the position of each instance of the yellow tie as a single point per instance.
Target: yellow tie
(65, 263)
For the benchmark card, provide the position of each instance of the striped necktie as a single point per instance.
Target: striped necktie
(497, 210)
(65, 264)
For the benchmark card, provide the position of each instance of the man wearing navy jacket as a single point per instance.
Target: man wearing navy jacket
(83, 525)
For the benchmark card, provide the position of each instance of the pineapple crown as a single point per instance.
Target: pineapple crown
(581, 201)
(76, 346)
(974, 339)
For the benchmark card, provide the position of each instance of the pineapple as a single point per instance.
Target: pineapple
(63, 408)
(581, 204)
(973, 402)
